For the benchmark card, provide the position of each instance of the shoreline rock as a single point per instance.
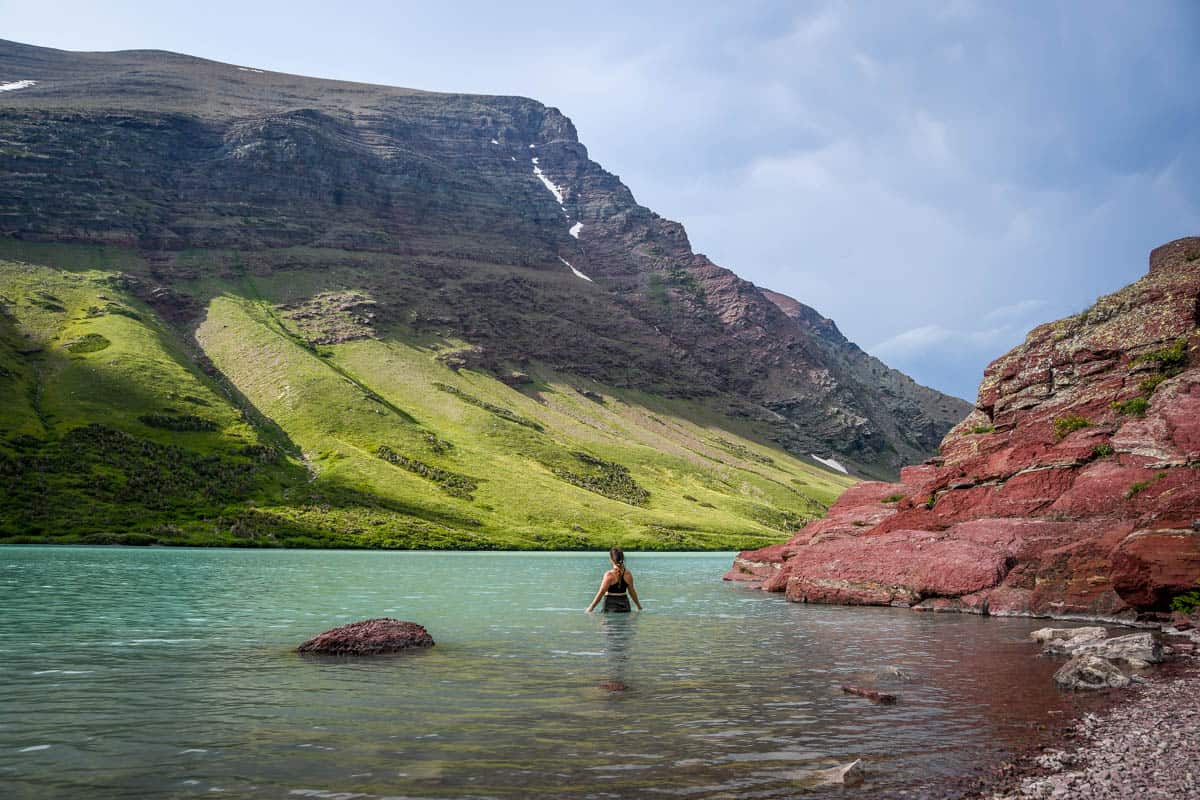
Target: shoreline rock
(1090, 672)
(1096, 659)
(367, 638)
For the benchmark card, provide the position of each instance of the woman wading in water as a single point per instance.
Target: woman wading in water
(617, 586)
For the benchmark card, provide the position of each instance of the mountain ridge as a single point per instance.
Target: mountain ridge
(471, 223)
(635, 250)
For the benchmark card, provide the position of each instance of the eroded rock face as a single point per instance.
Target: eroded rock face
(368, 637)
(1070, 490)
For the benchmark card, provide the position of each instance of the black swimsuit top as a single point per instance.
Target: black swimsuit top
(620, 586)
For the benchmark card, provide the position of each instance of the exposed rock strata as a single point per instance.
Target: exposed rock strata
(431, 202)
(1073, 489)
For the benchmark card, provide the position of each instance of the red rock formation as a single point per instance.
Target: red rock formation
(1072, 489)
(367, 638)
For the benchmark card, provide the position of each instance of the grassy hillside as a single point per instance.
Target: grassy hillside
(276, 410)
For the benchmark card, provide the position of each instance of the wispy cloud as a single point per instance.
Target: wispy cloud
(928, 338)
(1018, 311)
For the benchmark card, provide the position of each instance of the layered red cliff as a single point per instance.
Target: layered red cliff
(1072, 489)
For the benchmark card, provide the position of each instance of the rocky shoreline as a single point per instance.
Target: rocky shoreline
(1071, 491)
(1139, 737)
(1146, 744)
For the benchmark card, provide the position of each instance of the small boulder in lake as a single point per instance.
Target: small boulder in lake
(851, 774)
(367, 638)
(894, 672)
(847, 775)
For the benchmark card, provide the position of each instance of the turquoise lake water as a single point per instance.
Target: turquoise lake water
(130, 672)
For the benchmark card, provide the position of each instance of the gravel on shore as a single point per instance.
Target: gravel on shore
(1147, 745)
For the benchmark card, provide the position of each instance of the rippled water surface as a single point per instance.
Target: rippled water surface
(156, 672)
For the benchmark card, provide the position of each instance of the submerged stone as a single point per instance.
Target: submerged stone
(368, 637)
(872, 695)
(851, 774)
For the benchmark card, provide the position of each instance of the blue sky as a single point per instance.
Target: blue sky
(936, 177)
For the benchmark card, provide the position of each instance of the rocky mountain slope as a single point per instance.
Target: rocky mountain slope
(251, 308)
(483, 218)
(285, 418)
(1072, 489)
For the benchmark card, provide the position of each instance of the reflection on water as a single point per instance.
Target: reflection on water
(151, 673)
(618, 630)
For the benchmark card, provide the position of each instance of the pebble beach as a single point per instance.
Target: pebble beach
(1145, 745)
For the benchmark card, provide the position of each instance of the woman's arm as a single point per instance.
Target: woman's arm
(604, 584)
(632, 591)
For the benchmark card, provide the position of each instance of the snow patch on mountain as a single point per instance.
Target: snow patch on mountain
(832, 463)
(549, 184)
(579, 274)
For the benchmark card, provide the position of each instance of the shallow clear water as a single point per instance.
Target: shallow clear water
(164, 672)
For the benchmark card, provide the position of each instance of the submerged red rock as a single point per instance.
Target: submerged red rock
(1072, 489)
(368, 637)
(871, 694)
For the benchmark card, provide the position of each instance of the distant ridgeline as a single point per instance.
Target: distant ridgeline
(251, 308)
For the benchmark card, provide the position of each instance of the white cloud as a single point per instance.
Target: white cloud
(928, 338)
(809, 31)
(912, 341)
(930, 141)
(1019, 310)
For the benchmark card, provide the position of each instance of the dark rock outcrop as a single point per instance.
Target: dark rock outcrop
(1069, 491)
(368, 638)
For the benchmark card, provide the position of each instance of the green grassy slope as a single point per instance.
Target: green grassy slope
(239, 428)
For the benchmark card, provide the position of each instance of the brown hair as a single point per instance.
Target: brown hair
(618, 557)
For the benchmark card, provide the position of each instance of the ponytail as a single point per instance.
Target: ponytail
(618, 557)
